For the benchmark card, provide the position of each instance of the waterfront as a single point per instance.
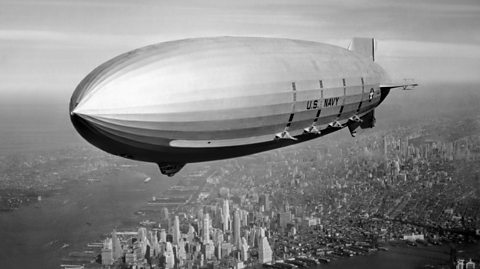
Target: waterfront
(403, 257)
(47, 231)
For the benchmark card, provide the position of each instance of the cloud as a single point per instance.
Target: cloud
(429, 61)
(66, 3)
(32, 35)
(72, 39)
(425, 49)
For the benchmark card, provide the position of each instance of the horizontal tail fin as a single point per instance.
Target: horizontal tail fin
(364, 46)
(408, 84)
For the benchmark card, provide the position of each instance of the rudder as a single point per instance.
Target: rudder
(364, 46)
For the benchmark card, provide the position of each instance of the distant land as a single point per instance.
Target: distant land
(35, 127)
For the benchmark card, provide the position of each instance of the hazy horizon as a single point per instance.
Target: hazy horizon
(45, 125)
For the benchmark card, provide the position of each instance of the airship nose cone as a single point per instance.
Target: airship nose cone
(87, 123)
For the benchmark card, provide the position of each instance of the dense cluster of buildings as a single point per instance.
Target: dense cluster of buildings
(210, 235)
(328, 201)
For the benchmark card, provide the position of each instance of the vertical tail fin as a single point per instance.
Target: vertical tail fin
(364, 46)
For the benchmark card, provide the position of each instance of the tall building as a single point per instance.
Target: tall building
(181, 252)
(219, 236)
(286, 206)
(200, 220)
(199, 213)
(209, 250)
(244, 250)
(165, 213)
(236, 229)
(226, 249)
(385, 146)
(265, 202)
(470, 265)
(202, 260)
(264, 251)
(142, 240)
(396, 167)
(219, 251)
(163, 236)
(244, 217)
(252, 238)
(261, 232)
(116, 246)
(107, 253)
(153, 239)
(190, 234)
(226, 215)
(176, 231)
(206, 228)
(169, 256)
(284, 218)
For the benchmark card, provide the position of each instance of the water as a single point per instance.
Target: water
(396, 258)
(33, 236)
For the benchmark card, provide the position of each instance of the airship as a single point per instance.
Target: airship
(204, 99)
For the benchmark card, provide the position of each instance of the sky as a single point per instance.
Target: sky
(48, 46)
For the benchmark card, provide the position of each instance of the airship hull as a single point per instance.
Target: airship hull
(214, 98)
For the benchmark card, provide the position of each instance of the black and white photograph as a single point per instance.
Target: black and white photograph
(279, 134)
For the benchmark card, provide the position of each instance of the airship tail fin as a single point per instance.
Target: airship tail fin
(364, 46)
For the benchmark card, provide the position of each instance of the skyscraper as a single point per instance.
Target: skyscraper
(470, 265)
(226, 215)
(236, 229)
(116, 246)
(153, 239)
(385, 146)
(244, 249)
(169, 256)
(142, 240)
(200, 219)
(163, 236)
(190, 234)
(264, 251)
(244, 218)
(265, 201)
(284, 218)
(181, 252)
(107, 254)
(226, 249)
(209, 250)
(287, 206)
(252, 238)
(206, 228)
(166, 219)
(165, 213)
(176, 231)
